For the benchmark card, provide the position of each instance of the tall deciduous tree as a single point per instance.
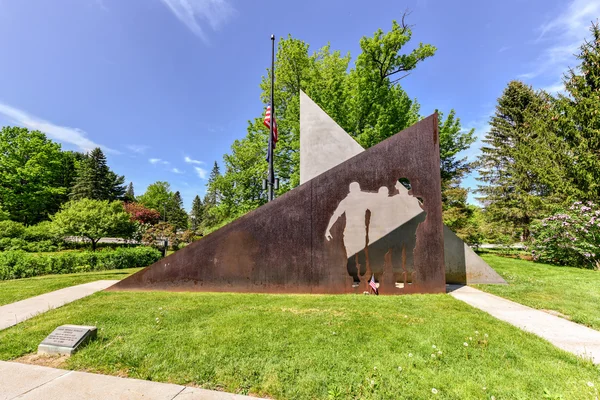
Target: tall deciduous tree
(30, 174)
(159, 197)
(366, 100)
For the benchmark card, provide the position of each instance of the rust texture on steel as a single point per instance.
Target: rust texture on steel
(322, 237)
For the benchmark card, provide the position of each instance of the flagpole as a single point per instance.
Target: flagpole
(271, 181)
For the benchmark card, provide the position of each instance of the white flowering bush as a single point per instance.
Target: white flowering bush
(569, 238)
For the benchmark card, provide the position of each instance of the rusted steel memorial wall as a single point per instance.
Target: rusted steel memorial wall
(327, 235)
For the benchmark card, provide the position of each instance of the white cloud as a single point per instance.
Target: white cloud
(176, 171)
(64, 134)
(503, 49)
(191, 161)
(157, 161)
(202, 173)
(554, 88)
(196, 13)
(563, 35)
(138, 148)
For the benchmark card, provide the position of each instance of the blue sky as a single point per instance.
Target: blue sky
(165, 86)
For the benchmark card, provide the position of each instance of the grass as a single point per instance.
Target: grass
(574, 292)
(312, 346)
(19, 289)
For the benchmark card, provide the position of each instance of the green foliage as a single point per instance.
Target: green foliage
(93, 219)
(4, 215)
(569, 238)
(510, 165)
(96, 181)
(159, 197)
(130, 194)
(19, 264)
(365, 100)
(11, 229)
(156, 236)
(40, 232)
(577, 122)
(31, 174)
(197, 214)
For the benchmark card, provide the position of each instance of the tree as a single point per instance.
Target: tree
(30, 174)
(130, 194)
(93, 219)
(141, 214)
(366, 100)
(197, 213)
(159, 234)
(577, 122)
(179, 216)
(216, 186)
(158, 196)
(96, 181)
(515, 161)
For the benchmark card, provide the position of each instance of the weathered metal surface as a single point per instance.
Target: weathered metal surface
(324, 144)
(310, 239)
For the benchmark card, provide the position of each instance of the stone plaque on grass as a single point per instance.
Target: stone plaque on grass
(66, 339)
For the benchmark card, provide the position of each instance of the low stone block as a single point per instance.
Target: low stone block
(67, 339)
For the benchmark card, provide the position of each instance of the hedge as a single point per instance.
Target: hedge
(20, 264)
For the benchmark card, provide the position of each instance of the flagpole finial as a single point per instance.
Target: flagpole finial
(272, 37)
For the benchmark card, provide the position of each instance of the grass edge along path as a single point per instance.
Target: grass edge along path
(572, 292)
(20, 289)
(312, 346)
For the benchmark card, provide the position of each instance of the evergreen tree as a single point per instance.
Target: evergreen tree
(577, 121)
(96, 181)
(197, 213)
(130, 194)
(116, 186)
(212, 198)
(179, 217)
(509, 165)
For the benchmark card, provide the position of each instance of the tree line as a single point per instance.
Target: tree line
(542, 152)
(365, 98)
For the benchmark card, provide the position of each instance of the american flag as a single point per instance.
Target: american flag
(372, 283)
(267, 122)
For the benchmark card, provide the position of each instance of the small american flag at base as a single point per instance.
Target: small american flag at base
(373, 285)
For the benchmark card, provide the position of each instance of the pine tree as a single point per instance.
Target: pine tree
(578, 121)
(196, 215)
(212, 198)
(130, 194)
(96, 181)
(93, 179)
(177, 214)
(116, 186)
(512, 189)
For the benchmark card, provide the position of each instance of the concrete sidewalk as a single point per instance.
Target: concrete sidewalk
(562, 333)
(12, 314)
(32, 382)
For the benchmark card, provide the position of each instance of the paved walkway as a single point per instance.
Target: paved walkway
(562, 333)
(12, 314)
(32, 382)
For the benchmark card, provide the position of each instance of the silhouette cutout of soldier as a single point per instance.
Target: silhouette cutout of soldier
(370, 218)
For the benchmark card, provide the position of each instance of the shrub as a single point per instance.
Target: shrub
(41, 232)
(11, 229)
(20, 264)
(569, 238)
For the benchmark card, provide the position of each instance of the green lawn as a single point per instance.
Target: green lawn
(573, 292)
(313, 346)
(19, 289)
